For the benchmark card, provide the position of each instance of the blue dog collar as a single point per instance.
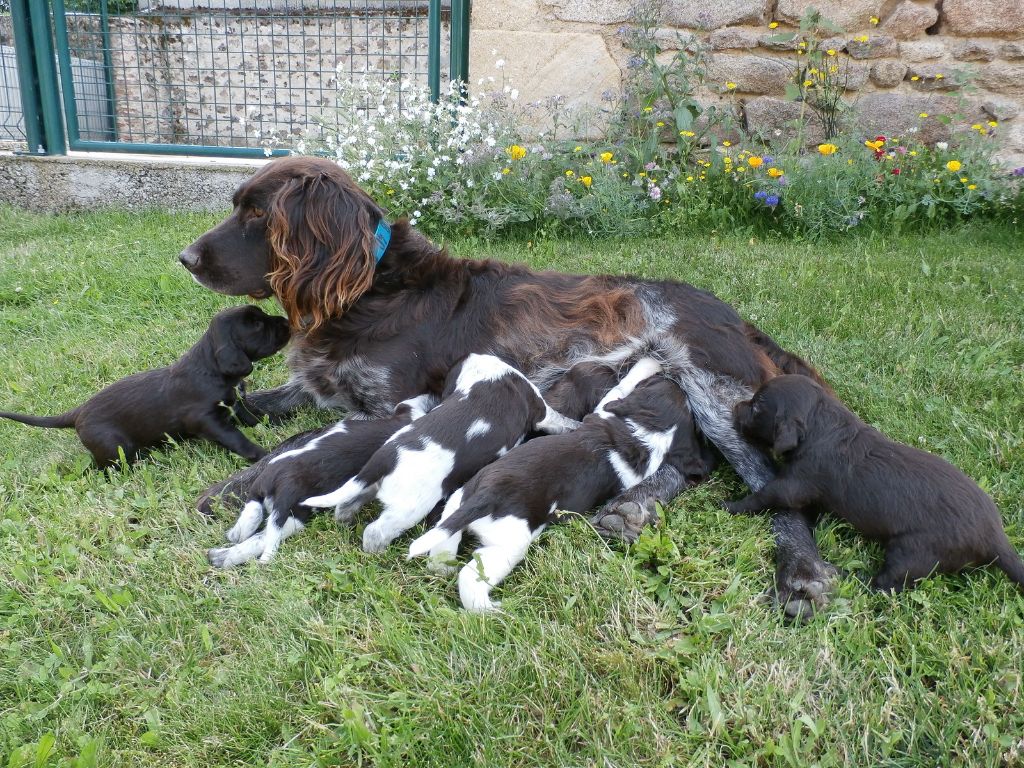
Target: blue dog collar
(381, 239)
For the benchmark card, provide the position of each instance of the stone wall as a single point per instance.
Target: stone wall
(572, 48)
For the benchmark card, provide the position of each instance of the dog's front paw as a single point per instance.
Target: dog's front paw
(624, 518)
(804, 589)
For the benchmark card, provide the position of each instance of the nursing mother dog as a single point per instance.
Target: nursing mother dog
(380, 314)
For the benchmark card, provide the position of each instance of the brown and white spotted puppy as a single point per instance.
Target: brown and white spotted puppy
(192, 397)
(374, 325)
(313, 466)
(510, 502)
(927, 514)
(487, 408)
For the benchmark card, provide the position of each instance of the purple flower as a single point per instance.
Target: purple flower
(771, 201)
(782, 181)
(1018, 171)
(655, 193)
(768, 159)
(650, 166)
(760, 195)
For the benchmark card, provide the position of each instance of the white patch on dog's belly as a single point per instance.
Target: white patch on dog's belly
(417, 476)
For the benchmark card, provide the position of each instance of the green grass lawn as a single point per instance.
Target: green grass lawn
(119, 646)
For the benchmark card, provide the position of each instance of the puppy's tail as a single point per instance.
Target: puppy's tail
(432, 538)
(66, 419)
(1011, 564)
(473, 509)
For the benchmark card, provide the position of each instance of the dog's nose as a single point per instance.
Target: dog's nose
(189, 257)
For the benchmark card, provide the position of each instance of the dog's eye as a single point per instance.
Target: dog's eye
(257, 213)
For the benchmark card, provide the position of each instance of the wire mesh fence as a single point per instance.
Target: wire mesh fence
(12, 122)
(211, 74)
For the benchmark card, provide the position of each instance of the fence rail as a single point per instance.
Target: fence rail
(213, 77)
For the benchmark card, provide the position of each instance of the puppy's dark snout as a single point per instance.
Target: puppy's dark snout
(189, 257)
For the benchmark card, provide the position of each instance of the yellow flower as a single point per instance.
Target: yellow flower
(506, 171)
(849, 162)
(972, 186)
(923, 114)
(954, 165)
(993, 123)
(687, 134)
(827, 149)
(391, 191)
(642, 174)
(577, 149)
(606, 157)
(831, 52)
(812, 71)
(775, 172)
(755, 161)
(773, 25)
(625, 175)
(660, 124)
(862, 39)
(727, 160)
(808, 83)
(874, 19)
(939, 76)
(915, 78)
(730, 86)
(801, 45)
(833, 70)
(964, 179)
(516, 152)
(726, 143)
(689, 178)
(875, 145)
(976, 127)
(648, 110)
(570, 174)
(913, 153)
(586, 181)
(741, 169)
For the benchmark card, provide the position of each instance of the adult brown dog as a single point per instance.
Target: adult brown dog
(367, 335)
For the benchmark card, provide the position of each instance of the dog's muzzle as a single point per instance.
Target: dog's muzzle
(189, 258)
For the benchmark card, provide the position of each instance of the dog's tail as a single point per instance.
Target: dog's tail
(1010, 563)
(785, 361)
(66, 419)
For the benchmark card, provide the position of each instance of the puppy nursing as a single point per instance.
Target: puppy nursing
(189, 398)
(927, 513)
(488, 407)
(314, 466)
(640, 423)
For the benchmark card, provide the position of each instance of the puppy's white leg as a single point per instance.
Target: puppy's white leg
(248, 521)
(644, 368)
(275, 534)
(505, 543)
(345, 513)
(229, 557)
(555, 423)
(437, 543)
(393, 522)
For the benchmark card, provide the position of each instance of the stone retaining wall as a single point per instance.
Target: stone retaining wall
(572, 48)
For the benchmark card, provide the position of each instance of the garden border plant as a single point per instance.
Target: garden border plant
(664, 161)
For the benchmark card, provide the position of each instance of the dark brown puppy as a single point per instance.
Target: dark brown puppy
(928, 514)
(192, 397)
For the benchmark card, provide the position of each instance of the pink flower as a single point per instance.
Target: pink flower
(655, 193)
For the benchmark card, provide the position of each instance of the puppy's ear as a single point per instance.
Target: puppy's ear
(232, 361)
(321, 232)
(617, 408)
(788, 434)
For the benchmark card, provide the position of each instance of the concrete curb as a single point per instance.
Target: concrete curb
(87, 182)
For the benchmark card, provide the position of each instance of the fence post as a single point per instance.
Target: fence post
(459, 57)
(434, 49)
(37, 76)
(28, 81)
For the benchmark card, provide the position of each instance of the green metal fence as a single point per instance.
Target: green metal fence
(182, 77)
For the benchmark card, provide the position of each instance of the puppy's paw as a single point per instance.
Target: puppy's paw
(733, 507)
(624, 519)
(219, 557)
(345, 514)
(376, 538)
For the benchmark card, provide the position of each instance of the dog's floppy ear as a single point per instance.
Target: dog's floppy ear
(616, 408)
(232, 361)
(321, 231)
(788, 434)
